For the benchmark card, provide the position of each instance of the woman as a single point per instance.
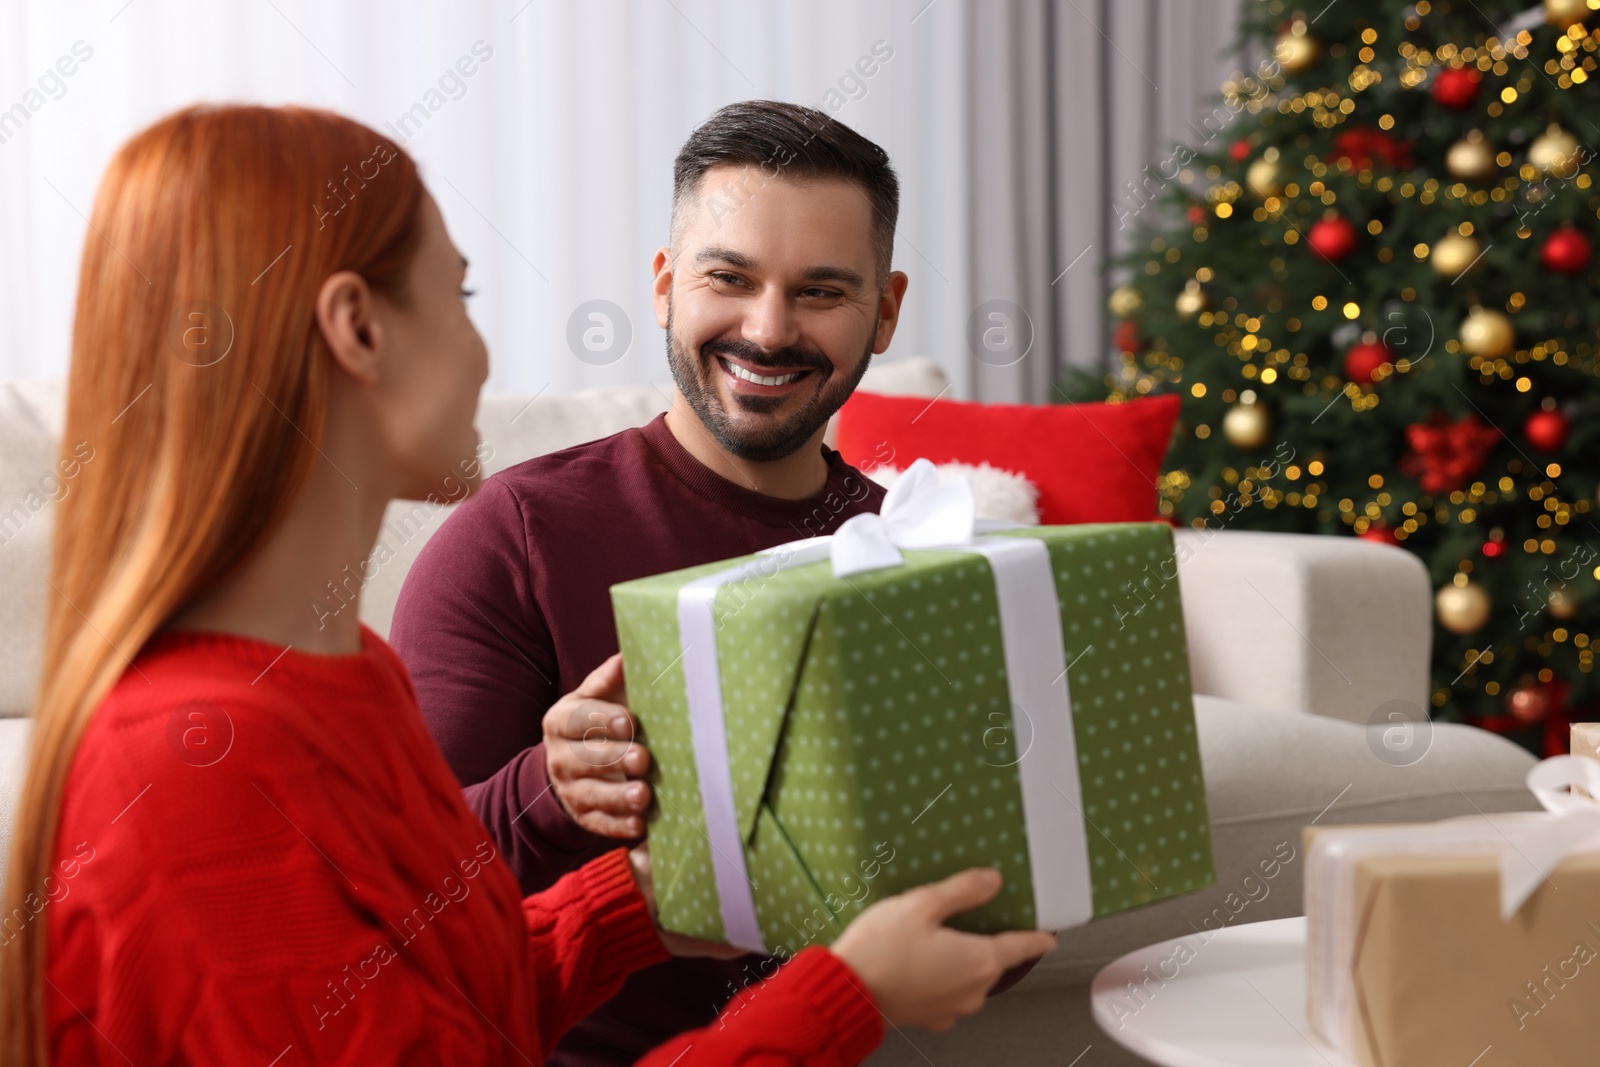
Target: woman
(237, 842)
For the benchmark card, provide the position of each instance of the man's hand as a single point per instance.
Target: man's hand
(592, 758)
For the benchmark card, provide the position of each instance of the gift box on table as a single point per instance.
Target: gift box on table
(821, 740)
(1585, 742)
(1473, 940)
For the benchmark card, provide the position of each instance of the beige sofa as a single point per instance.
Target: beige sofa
(1295, 643)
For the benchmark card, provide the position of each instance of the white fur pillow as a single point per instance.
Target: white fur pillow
(1003, 495)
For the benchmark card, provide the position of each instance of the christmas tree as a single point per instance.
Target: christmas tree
(1371, 280)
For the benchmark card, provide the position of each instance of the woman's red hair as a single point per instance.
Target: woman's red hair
(214, 227)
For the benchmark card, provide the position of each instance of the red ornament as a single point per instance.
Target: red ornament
(1528, 702)
(1332, 238)
(1566, 251)
(1239, 151)
(1445, 455)
(1364, 146)
(1197, 214)
(1546, 430)
(1127, 338)
(1380, 533)
(1456, 87)
(1495, 547)
(1361, 363)
(1548, 702)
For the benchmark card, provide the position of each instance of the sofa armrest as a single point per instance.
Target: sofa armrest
(1333, 626)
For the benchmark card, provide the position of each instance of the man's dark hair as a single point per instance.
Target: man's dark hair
(793, 142)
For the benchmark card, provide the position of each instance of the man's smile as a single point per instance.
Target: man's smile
(751, 380)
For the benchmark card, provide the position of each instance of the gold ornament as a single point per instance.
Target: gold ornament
(1565, 12)
(1471, 159)
(1453, 254)
(1192, 300)
(1562, 604)
(1462, 606)
(1247, 425)
(1295, 49)
(1125, 302)
(1555, 152)
(1486, 333)
(1265, 177)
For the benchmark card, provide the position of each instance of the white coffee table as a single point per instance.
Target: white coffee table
(1237, 1000)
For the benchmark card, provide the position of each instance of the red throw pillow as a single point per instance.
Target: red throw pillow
(1090, 462)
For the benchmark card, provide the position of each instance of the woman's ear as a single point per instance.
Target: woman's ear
(345, 315)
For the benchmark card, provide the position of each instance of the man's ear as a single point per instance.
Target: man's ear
(345, 315)
(661, 287)
(889, 301)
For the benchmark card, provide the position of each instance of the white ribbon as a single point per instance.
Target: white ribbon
(1529, 845)
(919, 511)
(697, 631)
(1576, 820)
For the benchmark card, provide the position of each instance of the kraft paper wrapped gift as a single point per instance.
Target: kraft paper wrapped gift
(1586, 740)
(1468, 941)
(844, 718)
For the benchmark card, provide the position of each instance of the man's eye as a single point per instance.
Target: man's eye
(821, 294)
(727, 279)
(467, 294)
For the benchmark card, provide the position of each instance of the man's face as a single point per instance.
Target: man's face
(772, 306)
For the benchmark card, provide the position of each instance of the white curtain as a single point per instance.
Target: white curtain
(1070, 101)
(551, 161)
(1016, 127)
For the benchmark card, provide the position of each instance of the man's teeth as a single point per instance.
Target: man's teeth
(750, 376)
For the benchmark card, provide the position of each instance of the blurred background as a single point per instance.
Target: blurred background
(1354, 238)
(1019, 130)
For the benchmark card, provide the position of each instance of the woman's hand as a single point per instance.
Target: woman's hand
(919, 971)
(677, 944)
(593, 759)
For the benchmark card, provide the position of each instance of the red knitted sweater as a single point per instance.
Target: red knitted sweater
(263, 858)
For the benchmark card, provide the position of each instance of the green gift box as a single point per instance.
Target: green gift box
(862, 735)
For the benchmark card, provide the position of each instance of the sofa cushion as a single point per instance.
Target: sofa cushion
(515, 428)
(1090, 462)
(1002, 496)
(1268, 774)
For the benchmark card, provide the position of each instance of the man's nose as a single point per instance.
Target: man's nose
(770, 322)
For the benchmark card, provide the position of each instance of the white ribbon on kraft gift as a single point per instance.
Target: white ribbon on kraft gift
(1530, 846)
(1576, 822)
(919, 511)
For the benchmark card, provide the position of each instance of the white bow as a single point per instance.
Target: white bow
(920, 510)
(1576, 821)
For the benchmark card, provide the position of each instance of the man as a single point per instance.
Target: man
(775, 294)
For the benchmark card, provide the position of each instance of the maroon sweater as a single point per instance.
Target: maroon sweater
(508, 608)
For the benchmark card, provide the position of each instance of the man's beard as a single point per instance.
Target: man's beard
(770, 443)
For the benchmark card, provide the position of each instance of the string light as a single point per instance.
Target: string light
(1283, 344)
